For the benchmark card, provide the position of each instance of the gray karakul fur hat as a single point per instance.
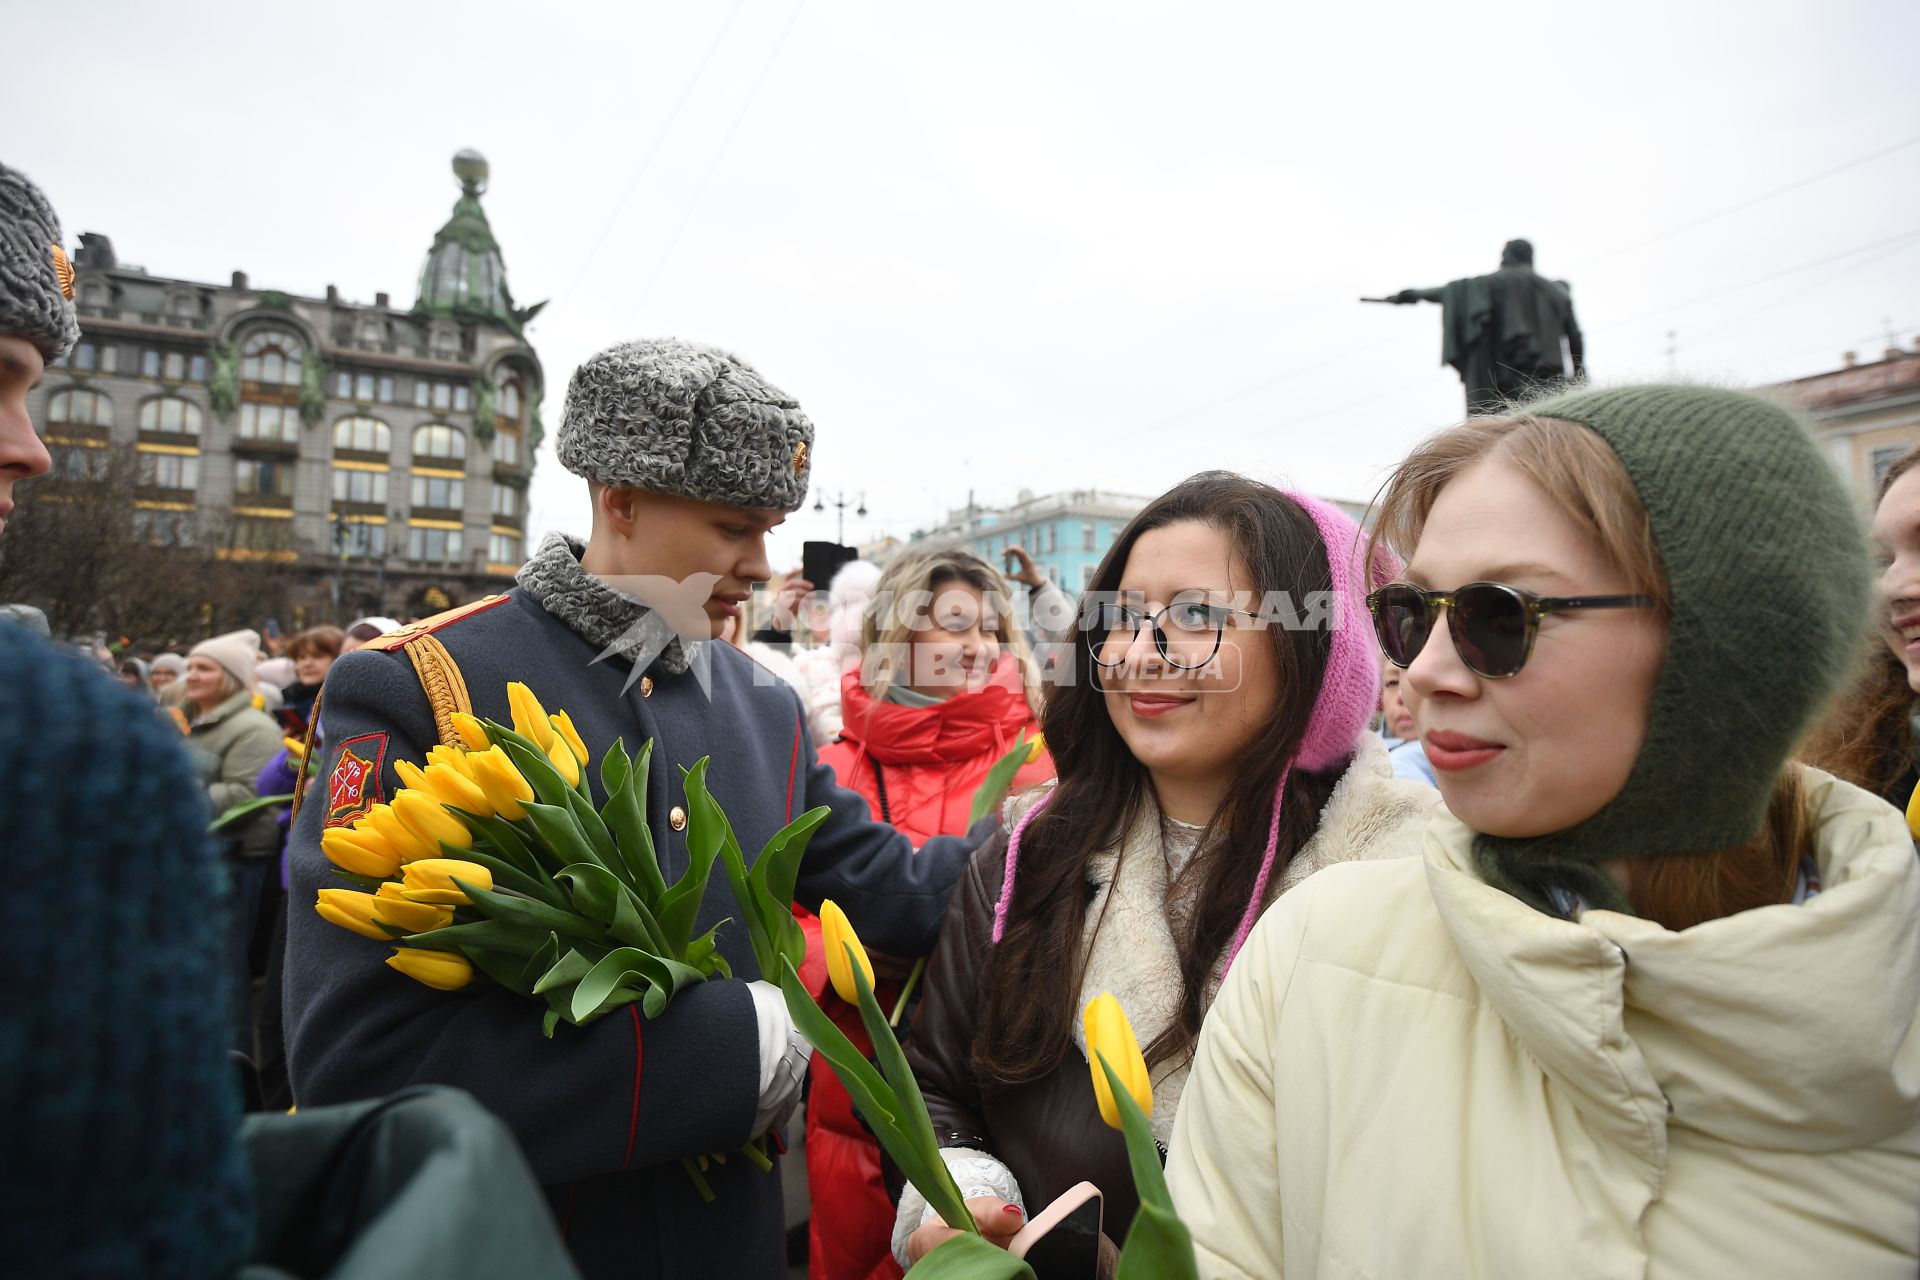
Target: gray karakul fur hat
(36, 280)
(683, 418)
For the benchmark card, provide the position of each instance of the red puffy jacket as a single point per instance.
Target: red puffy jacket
(918, 768)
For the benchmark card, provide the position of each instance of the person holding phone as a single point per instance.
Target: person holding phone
(1649, 1004)
(1211, 736)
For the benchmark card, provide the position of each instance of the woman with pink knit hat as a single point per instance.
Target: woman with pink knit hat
(1212, 746)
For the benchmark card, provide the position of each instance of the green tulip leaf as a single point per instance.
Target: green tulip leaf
(247, 808)
(971, 1257)
(504, 936)
(594, 828)
(505, 969)
(548, 786)
(566, 971)
(877, 1102)
(507, 906)
(680, 905)
(659, 980)
(703, 953)
(560, 835)
(625, 814)
(601, 896)
(1158, 1244)
(893, 1063)
(999, 780)
(614, 767)
(504, 840)
(535, 965)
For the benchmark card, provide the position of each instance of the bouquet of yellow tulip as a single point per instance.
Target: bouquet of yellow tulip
(1158, 1246)
(495, 857)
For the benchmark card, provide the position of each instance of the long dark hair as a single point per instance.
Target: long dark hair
(1024, 1029)
(1868, 739)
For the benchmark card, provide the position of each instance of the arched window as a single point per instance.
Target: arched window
(272, 358)
(511, 400)
(82, 408)
(170, 414)
(438, 440)
(362, 435)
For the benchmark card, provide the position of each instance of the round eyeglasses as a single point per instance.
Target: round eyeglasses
(1186, 633)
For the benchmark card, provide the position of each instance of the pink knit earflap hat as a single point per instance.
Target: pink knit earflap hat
(1349, 694)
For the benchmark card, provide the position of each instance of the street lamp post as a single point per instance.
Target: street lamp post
(840, 506)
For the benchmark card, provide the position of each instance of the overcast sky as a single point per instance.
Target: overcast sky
(1046, 246)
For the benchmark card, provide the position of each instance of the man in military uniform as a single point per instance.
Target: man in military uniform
(691, 457)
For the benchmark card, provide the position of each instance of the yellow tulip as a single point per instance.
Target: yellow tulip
(428, 819)
(505, 789)
(471, 731)
(362, 853)
(1037, 747)
(350, 909)
(560, 756)
(563, 725)
(295, 747)
(1913, 814)
(529, 717)
(442, 970)
(454, 758)
(431, 880)
(444, 783)
(1109, 1034)
(837, 931)
(382, 821)
(391, 905)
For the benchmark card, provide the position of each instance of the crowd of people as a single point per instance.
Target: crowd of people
(1515, 886)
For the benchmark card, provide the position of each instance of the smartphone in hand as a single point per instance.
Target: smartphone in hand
(1062, 1241)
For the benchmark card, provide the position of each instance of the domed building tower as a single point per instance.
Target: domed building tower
(464, 275)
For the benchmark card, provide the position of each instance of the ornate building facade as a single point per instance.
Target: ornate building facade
(382, 454)
(1864, 415)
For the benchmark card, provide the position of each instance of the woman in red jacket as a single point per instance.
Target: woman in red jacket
(942, 692)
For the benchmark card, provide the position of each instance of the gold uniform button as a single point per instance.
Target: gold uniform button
(677, 819)
(646, 686)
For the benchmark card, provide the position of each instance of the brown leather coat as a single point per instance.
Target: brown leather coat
(1048, 1131)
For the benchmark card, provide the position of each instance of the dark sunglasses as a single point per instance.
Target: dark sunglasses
(1492, 624)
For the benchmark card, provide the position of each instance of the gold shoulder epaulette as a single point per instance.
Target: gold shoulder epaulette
(427, 626)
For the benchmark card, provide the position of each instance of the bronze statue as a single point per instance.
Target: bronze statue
(1502, 332)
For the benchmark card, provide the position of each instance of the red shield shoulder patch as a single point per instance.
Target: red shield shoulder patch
(354, 785)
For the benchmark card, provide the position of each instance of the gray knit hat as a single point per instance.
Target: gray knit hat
(36, 280)
(678, 417)
(1767, 571)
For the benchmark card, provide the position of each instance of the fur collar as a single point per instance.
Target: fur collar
(600, 614)
(1129, 945)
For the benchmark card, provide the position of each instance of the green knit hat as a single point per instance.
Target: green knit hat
(1769, 582)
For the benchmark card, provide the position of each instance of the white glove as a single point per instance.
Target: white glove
(783, 1057)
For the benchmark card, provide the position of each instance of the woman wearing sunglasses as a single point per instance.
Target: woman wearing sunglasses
(1647, 1004)
(1212, 748)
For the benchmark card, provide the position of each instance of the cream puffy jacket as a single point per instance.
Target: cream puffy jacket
(1410, 1073)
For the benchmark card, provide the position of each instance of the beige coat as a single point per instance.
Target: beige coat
(1411, 1073)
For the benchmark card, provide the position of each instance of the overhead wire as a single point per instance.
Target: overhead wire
(659, 137)
(720, 154)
